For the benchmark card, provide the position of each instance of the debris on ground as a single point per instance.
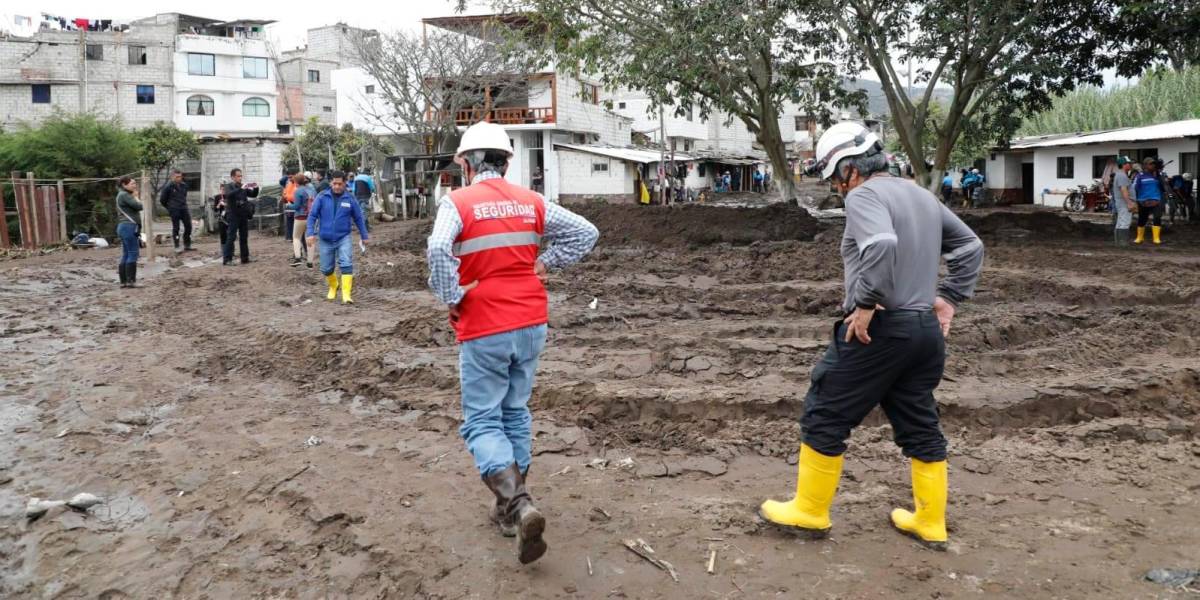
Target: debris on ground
(642, 549)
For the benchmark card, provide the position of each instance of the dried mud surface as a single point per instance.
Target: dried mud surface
(254, 441)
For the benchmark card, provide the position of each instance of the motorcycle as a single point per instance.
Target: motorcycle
(1086, 198)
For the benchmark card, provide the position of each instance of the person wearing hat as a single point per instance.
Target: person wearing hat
(889, 350)
(1123, 200)
(485, 266)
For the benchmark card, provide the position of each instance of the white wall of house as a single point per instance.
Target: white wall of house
(577, 115)
(228, 87)
(1003, 170)
(355, 104)
(1050, 189)
(636, 106)
(586, 174)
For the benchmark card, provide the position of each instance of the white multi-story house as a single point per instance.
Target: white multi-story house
(224, 80)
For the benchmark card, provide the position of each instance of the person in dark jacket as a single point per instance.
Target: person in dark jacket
(129, 221)
(173, 197)
(237, 215)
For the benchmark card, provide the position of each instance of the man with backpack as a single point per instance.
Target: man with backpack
(364, 188)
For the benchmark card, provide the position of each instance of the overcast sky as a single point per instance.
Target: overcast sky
(294, 18)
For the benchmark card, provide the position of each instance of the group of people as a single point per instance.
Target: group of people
(493, 244)
(971, 181)
(1146, 193)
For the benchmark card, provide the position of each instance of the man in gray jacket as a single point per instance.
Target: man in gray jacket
(889, 349)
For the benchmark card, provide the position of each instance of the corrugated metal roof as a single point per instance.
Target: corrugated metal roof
(627, 154)
(1161, 131)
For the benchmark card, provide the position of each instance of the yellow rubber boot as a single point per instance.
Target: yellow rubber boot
(333, 286)
(928, 524)
(816, 483)
(347, 284)
(1141, 235)
(1156, 232)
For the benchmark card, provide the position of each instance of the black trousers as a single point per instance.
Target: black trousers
(898, 371)
(181, 216)
(1145, 213)
(947, 194)
(239, 229)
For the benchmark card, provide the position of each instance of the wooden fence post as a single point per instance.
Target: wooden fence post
(147, 200)
(62, 213)
(4, 241)
(35, 238)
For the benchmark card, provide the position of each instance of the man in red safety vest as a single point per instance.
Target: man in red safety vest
(485, 266)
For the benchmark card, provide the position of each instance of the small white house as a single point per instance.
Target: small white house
(1043, 169)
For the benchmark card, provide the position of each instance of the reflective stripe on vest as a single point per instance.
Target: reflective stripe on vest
(496, 240)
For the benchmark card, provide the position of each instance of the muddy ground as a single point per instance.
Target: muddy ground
(254, 441)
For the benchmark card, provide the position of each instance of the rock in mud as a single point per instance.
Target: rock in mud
(84, 501)
(134, 418)
(1176, 578)
(37, 507)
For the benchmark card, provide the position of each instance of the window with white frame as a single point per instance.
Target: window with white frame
(202, 64)
(256, 107)
(254, 67)
(200, 106)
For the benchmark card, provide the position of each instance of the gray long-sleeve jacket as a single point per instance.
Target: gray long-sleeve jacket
(895, 233)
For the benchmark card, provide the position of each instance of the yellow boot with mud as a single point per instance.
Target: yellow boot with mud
(1141, 235)
(928, 524)
(816, 483)
(347, 284)
(1156, 233)
(333, 286)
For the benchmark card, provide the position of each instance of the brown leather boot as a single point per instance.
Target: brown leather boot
(507, 527)
(518, 511)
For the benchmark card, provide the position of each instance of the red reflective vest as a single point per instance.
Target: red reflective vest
(498, 246)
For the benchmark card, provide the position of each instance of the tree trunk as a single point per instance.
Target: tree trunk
(772, 141)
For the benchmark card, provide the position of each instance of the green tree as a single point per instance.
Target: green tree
(161, 146)
(348, 147)
(725, 58)
(75, 146)
(1003, 60)
(1155, 32)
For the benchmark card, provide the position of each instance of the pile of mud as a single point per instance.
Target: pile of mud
(1041, 224)
(699, 225)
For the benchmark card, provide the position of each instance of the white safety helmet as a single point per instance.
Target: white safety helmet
(845, 139)
(484, 136)
(308, 175)
(1187, 176)
(975, 171)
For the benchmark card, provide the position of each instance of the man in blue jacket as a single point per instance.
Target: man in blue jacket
(335, 209)
(364, 188)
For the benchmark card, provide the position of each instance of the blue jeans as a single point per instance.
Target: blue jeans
(129, 242)
(364, 204)
(496, 373)
(340, 249)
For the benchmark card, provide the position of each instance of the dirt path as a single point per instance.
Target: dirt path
(253, 441)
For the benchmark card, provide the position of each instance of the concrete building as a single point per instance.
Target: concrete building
(125, 72)
(305, 91)
(552, 112)
(1043, 169)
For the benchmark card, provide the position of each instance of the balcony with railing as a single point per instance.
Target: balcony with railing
(513, 115)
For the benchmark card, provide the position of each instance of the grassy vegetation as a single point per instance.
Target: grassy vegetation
(1164, 95)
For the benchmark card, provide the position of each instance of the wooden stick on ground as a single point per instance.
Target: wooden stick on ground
(642, 549)
(712, 562)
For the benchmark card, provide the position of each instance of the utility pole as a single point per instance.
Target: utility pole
(662, 157)
(82, 70)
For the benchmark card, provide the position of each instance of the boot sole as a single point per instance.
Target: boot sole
(936, 546)
(530, 545)
(800, 532)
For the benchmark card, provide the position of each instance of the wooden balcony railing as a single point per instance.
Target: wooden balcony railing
(502, 116)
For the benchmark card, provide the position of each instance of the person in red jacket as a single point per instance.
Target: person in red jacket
(485, 266)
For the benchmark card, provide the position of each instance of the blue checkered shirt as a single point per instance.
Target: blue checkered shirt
(568, 236)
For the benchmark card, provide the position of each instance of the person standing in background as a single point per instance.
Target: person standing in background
(129, 221)
(174, 198)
